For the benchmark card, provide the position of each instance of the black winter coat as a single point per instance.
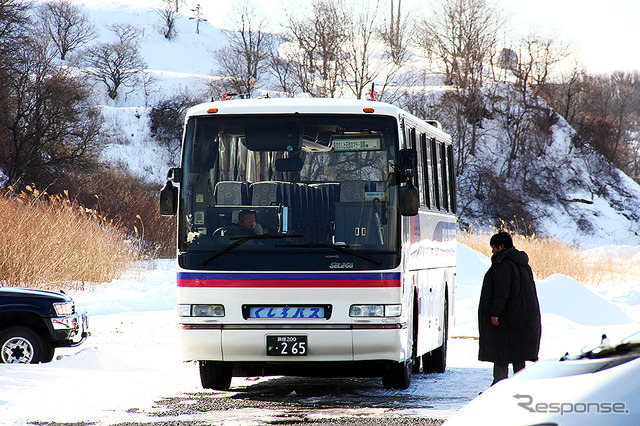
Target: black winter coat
(509, 293)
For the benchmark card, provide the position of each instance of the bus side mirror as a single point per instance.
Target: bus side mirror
(169, 200)
(409, 200)
(407, 159)
(175, 174)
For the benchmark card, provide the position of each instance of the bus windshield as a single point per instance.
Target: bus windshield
(294, 191)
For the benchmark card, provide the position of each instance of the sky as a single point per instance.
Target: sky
(603, 34)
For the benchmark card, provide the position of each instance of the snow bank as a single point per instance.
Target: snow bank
(132, 358)
(566, 297)
(138, 292)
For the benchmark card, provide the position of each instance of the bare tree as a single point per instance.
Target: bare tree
(536, 57)
(46, 122)
(610, 114)
(370, 53)
(117, 64)
(68, 27)
(360, 46)
(13, 27)
(178, 3)
(605, 112)
(317, 48)
(566, 94)
(167, 121)
(394, 34)
(245, 58)
(168, 12)
(284, 71)
(463, 35)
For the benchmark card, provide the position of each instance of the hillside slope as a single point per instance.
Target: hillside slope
(583, 205)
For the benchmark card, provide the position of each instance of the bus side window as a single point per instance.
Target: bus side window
(444, 178)
(436, 175)
(423, 166)
(452, 179)
(412, 145)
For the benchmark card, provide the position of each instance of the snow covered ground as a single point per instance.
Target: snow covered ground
(132, 358)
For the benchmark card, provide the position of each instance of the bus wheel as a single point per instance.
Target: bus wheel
(436, 360)
(216, 375)
(398, 376)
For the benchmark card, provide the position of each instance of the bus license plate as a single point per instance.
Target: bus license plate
(287, 345)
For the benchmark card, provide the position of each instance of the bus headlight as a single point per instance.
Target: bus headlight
(392, 310)
(375, 310)
(201, 310)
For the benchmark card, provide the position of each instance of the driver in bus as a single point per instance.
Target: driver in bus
(247, 220)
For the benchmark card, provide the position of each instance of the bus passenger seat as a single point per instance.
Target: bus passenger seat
(352, 191)
(231, 193)
(266, 193)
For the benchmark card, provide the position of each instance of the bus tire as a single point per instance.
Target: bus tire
(436, 360)
(398, 376)
(216, 375)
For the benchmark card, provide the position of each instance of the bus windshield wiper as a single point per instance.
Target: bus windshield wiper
(241, 240)
(341, 249)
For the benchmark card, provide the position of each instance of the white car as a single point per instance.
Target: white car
(598, 387)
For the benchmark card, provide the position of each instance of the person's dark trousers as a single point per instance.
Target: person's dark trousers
(501, 371)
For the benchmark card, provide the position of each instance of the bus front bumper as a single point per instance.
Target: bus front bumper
(339, 343)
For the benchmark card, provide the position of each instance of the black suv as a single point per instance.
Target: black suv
(35, 322)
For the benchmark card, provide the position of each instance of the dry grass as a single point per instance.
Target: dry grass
(129, 201)
(51, 242)
(548, 256)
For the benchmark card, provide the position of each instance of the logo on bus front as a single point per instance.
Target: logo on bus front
(341, 265)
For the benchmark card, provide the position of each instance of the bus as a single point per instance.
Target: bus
(315, 237)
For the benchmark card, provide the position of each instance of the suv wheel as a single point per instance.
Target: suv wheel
(22, 345)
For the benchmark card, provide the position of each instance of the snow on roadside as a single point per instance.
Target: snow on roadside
(132, 358)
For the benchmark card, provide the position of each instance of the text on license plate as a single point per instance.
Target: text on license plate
(287, 345)
(286, 312)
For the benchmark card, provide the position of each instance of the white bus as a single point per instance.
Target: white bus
(315, 237)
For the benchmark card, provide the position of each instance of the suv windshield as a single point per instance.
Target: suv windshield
(302, 192)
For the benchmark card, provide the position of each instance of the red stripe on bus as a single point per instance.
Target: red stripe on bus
(288, 284)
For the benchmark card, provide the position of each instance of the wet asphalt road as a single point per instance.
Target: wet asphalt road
(294, 401)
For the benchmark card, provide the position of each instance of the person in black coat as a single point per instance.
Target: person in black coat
(508, 312)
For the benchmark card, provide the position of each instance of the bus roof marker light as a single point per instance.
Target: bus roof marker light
(368, 110)
(212, 110)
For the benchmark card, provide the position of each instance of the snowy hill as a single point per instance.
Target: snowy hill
(181, 65)
(568, 191)
(587, 209)
(188, 56)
